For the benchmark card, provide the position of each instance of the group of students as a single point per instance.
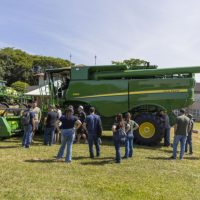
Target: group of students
(53, 124)
(70, 125)
(89, 127)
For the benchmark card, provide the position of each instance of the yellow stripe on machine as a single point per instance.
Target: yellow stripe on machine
(105, 95)
(136, 92)
(160, 91)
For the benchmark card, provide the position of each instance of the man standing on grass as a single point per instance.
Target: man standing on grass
(50, 126)
(38, 116)
(180, 133)
(93, 124)
(28, 124)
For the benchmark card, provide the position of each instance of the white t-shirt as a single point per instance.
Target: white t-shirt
(37, 112)
(59, 113)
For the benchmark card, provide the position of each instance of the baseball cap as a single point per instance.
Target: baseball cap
(81, 107)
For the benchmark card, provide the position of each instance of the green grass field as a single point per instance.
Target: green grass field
(150, 174)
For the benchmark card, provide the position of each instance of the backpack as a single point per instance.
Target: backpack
(25, 120)
(120, 135)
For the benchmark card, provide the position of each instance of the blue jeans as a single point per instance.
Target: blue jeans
(67, 139)
(189, 142)
(167, 137)
(129, 146)
(27, 137)
(117, 144)
(93, 139)
(49, 135)
(182, 139)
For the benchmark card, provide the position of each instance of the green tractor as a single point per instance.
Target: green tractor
(12, 104)
(10, 98)
(117, 89)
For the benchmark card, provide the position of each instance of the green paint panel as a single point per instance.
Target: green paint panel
(79, 73)
(168, 93)
(4, 127)
(108, 96)
(9, 125)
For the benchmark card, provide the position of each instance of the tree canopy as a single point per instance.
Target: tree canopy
(135, 63)
(17, 65)
(20, 86)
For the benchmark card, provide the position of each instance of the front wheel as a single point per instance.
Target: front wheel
(150, 131)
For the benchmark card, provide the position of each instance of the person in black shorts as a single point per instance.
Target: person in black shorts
(81, 132)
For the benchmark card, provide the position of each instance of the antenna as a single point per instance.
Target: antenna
(95, 59)
(70, 57)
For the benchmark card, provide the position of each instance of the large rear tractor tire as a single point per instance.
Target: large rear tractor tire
(150, 131)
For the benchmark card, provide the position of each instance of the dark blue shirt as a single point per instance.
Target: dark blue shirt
(32, 115)
(92, 122)
(52, 117)
(68, 123)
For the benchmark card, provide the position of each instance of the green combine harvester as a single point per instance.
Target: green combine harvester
(12, 103)
(118, 89)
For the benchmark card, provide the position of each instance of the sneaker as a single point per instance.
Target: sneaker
(58, 159)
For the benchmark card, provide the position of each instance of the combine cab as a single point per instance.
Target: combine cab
(118, 89)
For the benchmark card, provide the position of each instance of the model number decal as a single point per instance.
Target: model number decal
(76, 94)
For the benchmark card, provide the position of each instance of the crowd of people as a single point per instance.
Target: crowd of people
(69, 127)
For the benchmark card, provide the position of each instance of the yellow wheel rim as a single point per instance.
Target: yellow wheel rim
(147, 130)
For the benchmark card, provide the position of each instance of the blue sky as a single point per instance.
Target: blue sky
(166, 33)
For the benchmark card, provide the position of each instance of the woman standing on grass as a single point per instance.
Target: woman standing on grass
(69, 124)
(119, 129)
(130, 136)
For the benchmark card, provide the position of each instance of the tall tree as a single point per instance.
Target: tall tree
(17, 65)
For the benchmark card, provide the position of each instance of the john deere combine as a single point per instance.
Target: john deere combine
(118, 89)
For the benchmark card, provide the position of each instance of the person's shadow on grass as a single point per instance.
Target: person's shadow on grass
(100, 161)
(38, 160)
(170, 158)
(9, 147)
(95, 161)
(159, 158)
